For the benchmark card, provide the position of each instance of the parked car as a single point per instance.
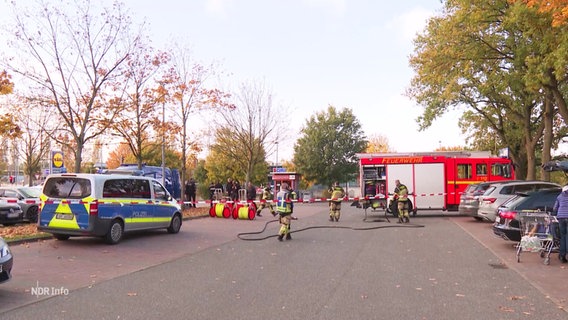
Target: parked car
(498, 193)
(469, 199)
(6, 261)
(507, 226)
(27, 199)
(10, 213)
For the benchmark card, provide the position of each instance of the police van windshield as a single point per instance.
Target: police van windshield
(67, 188)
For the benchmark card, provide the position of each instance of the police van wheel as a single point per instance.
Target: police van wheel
(114, 232)
(175, 224)
(61, 237)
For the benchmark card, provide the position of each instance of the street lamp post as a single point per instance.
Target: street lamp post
(276, 143)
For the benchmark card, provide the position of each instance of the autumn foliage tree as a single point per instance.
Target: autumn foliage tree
(186, 89)
(140, 98)
(73, 53)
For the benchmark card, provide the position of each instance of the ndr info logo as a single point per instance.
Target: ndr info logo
(48, 291)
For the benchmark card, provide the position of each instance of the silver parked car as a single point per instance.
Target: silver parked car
(26, 197)
(469, 199)
(497, 194)
(6, 261)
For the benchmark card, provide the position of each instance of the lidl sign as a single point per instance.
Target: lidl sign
(56, 161)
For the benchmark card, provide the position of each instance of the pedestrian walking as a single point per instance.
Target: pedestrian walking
(561, 211)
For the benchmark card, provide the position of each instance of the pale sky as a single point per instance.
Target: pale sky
(314, 53)
(311, 54)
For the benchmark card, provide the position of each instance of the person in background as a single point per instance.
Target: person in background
(401, 196)
(191, 191)
(561, 210)
(229, 187)
(251, 195)
(266, 198)
(337, 194)
(212, 193)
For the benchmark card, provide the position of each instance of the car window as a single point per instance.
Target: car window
(489, 190)
(67, 188)
(10, 194)
(126, 188)
(31, 192)
(524, 187)
(544, 186)
(542, 201)
(159, 191)
(507, 190)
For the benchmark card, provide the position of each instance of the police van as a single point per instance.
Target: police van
(105, 206)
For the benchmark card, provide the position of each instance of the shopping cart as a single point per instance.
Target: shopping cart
(537, 234)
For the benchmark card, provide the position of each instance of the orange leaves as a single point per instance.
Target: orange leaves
(6, 86)
(558, 9)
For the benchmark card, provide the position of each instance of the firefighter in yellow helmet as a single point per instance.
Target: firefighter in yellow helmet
(266, 202)
(285, 207)
(401, 196)
(337, 194)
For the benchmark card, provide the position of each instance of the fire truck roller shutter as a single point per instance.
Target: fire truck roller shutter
(430, 183)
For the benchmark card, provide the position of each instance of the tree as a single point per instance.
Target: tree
(74, 53)
(252, 127)
(327, 147)
(378, 144)
(476, 55)
(558, 9)
(223, 163)
(33, 144)
(186, 88)
(6, 86)
(139, 101)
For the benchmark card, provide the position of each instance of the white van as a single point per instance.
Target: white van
(105, 206)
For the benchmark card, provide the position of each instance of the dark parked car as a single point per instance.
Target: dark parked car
(6, 261)
(506, 225)
(27, 198)
(10, 213)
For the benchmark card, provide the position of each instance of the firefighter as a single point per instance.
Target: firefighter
(401, 196)
(337, 194)
(267, 203)
(284, 207)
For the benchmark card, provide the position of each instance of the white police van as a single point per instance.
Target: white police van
(105, 206)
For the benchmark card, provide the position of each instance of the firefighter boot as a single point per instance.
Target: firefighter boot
(288, 236)
(400, 219)
(280, 237)
(331, 217)
(406, 219)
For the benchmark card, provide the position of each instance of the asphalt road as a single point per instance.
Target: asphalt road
(436, 268)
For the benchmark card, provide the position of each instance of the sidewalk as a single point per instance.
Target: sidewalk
(551, 280)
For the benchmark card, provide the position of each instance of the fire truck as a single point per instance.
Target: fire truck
(435, 180)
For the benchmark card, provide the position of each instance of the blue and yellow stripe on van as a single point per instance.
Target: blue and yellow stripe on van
(65, 214)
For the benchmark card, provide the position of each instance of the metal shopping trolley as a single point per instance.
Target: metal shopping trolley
(537, 234)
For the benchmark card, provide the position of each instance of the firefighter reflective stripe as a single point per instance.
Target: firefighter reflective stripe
(282, 205)
(337, 194)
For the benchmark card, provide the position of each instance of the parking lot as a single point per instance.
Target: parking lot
(454, 264)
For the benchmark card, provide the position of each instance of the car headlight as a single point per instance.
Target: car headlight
(4, 249)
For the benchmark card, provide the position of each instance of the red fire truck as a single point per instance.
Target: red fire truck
(435, 180)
